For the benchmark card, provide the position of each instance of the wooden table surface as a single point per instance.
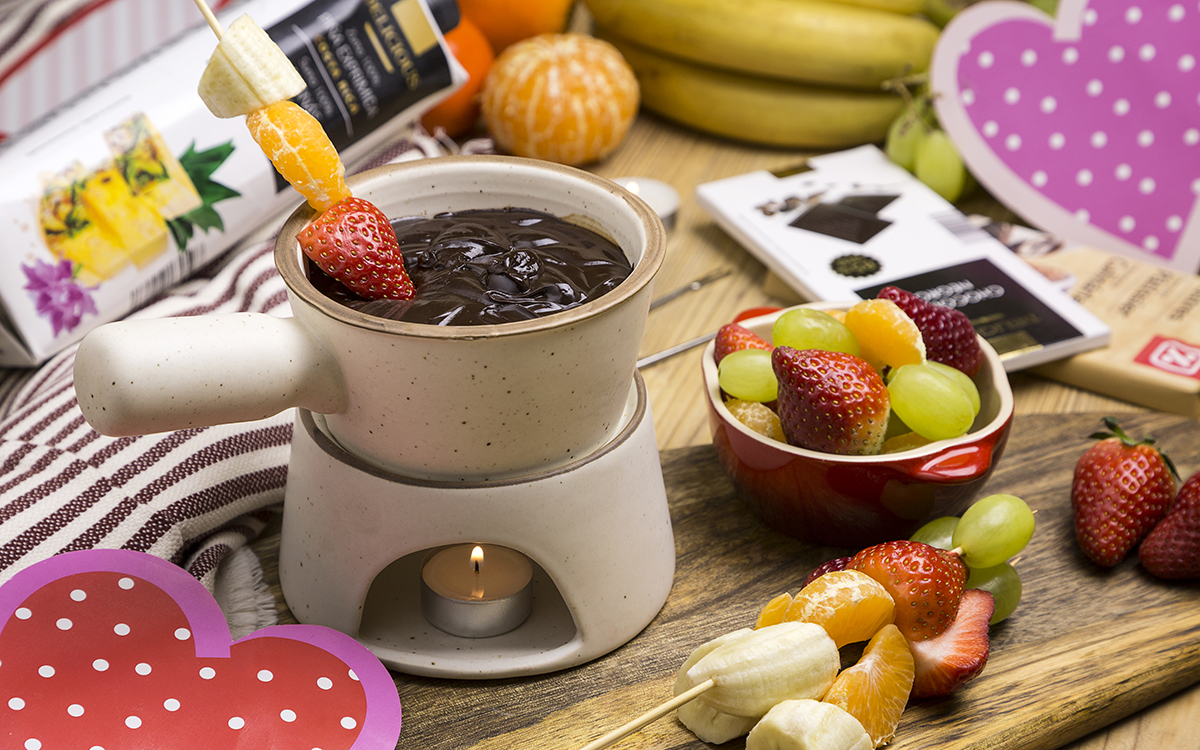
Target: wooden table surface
(696, 247)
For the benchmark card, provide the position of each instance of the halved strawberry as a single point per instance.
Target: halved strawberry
(354, 242)
(925, 582)
(830, 401)
(733, 337)
(948, 334)
(960, 653)
(1172, 549)
(1121, 489)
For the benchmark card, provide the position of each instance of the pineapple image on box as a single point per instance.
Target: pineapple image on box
(70, 233)
(150, 169)
(112, 205)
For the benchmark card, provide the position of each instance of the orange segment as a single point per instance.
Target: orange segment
(904, 442)
(299, 148)
(876, 689)
(757, 417)
(885, 333)
(772, 614)
(849, 604)
(566, 98)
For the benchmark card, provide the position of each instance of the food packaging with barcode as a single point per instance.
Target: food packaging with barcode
(115, 198)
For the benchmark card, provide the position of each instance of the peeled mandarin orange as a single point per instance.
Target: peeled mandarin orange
(505, 22)
(566, 98)
(297, 145)
(876, 689)
(885, 333)
(772, 614)
(849, 604)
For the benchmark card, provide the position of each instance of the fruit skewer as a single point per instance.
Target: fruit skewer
(352, 240)
(249, 75)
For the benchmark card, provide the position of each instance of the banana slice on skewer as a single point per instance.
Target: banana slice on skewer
(781, 662)
(247, 72)
(808, 725)
(706, 722)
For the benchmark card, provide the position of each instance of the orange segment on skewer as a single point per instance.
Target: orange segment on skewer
(849, 604)
(297, 145)
(876, 689)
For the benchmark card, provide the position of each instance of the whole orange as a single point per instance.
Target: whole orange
(566, 98)
(459, 112)
(506, 22)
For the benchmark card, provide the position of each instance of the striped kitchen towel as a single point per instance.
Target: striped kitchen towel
(192, 496)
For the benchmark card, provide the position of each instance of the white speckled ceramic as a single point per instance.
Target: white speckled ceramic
(598, 531)
(422, 401)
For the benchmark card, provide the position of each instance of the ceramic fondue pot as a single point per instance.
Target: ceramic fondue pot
(424, 401)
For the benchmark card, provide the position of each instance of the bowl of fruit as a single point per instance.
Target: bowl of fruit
(850, 424)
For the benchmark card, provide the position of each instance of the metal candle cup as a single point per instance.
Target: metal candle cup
(476, 591)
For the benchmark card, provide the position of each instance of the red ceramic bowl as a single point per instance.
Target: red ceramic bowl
(855, 501)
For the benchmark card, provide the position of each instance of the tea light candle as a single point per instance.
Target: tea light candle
(660, 196)
(476, 590)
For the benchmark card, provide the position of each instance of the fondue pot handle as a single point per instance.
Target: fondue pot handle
(137, 377)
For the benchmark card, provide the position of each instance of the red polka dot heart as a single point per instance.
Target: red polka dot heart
(1088, 124)
(106, 650)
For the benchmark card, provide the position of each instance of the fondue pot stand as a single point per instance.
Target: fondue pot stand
(597, 531)
(534, 435)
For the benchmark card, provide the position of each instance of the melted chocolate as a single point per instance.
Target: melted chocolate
(492, 266)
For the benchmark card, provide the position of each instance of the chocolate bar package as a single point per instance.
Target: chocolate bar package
(1153, 358)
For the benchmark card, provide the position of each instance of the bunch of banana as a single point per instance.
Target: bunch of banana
(799, 73)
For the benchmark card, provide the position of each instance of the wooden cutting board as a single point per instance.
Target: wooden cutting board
(1085, 648)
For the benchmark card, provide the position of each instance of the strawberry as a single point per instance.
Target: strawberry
(354, 242)
(830, 401)
(945, 662)
(837, 563)
(948, 334)
(733, 337)
(925, 582)
(1172, 549)
(1122, 488)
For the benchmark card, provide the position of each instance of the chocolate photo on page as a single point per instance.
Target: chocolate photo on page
(1011, 319)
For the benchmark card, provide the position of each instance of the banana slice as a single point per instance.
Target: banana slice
(808, 725)
(772, 664)
(706, 722)
(247, 72)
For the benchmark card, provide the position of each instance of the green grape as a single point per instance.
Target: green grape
(903, 137)
(805, 328)
(1004, 584)
(938, 165)
(933, 405)
(747, 374)
(964, 381)
(937, 533)
(993, 530)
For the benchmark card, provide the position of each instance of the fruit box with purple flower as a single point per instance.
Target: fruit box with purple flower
(112, 199)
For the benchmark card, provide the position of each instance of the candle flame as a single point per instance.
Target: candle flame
(633, 187)
(476, 564)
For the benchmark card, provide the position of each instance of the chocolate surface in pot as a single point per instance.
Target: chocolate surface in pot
(492, 266)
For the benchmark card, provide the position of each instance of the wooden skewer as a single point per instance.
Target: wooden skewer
(212, 19)
(627, 729)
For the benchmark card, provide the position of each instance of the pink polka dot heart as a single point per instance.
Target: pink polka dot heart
(111, 649)
(1087, 125)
